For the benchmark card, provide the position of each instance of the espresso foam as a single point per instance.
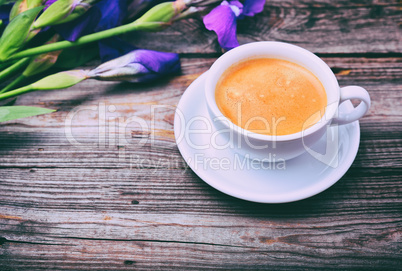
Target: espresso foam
(271, 96)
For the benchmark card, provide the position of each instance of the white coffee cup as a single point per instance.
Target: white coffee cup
(265, 147)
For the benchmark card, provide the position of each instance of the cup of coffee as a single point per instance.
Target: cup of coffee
(274, 99)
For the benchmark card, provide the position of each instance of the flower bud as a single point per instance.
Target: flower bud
(23, 5)
(63, 11)
(18, 7)
(16, 32)
(136, 8)
(160, 16)
(137, 66)
(60, 80)
(55, 12)
(78, 10)
(42, 62)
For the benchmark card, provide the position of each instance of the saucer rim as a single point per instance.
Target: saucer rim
(322, 185)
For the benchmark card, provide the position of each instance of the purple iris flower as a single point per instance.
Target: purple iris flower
(107, 11)
(81, 26)
(113, 13)
(104, 15)
(114, 47)
(124, 61)
(223, 19)
(138, 66)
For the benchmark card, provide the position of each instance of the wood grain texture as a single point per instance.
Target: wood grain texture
(324, 26)
(86, 188)
(103, 205)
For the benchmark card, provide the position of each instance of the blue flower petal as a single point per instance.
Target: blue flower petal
(252, 7)
(138, 66)
(113, 48)
(83, 25)
(113, 13)
(143, 74)
(222, 20)
(104, 15)
(158, 62)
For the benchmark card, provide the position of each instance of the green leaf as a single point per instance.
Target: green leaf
(16, 33)
(17, 112)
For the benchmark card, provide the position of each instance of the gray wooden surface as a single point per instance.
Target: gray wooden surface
(82, 194)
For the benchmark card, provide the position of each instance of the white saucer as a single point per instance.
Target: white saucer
(230, 173)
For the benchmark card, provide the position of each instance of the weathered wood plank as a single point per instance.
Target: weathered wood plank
(115, 255)
(174, 190)
(144, 239)
(335, 27)
(78, 207)
(378, 151)
(108, 202)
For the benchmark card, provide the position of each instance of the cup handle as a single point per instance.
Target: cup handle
(348, 93)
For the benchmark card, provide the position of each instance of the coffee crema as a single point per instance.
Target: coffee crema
(271, 96)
